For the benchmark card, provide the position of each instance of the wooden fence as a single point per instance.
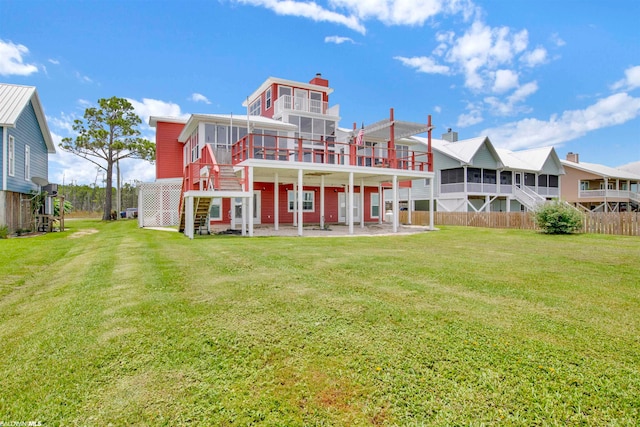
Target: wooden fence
(622, 223)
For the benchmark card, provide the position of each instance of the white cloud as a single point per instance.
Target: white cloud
(556, 40)
(54, 61)
(423, 64)
(83, 78)
(535, 57)
(64, 123)
(511, 104)
(505, 80)
(352, 13)
(437, 109)
(338, 39)
(481, 50)
(309, 10)
(631, 79)
(472, 117)
(155, 107)
(12, 61)
(405, 12)
(530, 133)
(198, 97)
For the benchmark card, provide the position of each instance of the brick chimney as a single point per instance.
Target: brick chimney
(450, 136)
(573, 157)
(318, 80)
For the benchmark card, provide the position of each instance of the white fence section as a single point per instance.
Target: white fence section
(158, 203)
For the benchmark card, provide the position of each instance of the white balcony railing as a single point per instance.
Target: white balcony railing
(610, 194)
(304, 105)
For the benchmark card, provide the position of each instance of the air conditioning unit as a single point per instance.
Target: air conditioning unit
(51, 189)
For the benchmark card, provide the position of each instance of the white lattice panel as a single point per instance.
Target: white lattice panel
(159, 202)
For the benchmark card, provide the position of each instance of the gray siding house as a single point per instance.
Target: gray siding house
(26, 145)
(472, 175)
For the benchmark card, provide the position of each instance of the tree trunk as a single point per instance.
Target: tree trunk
(107, 191)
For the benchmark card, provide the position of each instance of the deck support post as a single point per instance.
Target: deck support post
(250, 200)
(396, 211)
(380, 204)
(322, 202)
(300, 200)
(188, 216)
(362, 203)
(409, 206)
(350, 204)
(276, 203)
(431, 207)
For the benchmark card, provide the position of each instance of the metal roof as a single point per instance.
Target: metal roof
(13, 100)
(239, 120)
(601, 170)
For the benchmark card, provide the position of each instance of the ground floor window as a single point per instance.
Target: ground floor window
(215, 212)
(375, 205)
(308, 204)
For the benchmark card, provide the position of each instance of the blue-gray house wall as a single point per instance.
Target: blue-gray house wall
(27, 132)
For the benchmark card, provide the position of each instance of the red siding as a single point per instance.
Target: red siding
(169, 163)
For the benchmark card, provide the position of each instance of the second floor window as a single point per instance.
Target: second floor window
(256, 108)
(267, 99)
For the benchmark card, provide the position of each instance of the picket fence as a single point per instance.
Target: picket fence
(621, 223)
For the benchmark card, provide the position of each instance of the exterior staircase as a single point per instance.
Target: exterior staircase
(201, 213)
(528, 198)
(228, 181)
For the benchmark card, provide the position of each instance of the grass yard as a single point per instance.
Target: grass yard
(110, 324)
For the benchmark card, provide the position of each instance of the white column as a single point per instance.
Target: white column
(188, 216)
(276, 203)
(431, 203)
(250, 201)
(322, 202)
(487, 202)
(300, 195)
(295, 205)
(380, 204)
(362, 203)
(350, 204)
(409, 205)
(395, 210)
(244, 216)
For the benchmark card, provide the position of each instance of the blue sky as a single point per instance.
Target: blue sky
(525, 73)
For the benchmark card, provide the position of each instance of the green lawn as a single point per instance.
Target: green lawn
(463, 326)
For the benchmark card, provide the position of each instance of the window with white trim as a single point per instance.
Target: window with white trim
(12, 156)
(215, 212)
(375, 205)
(255, 109)
(27, 163)
(308, 197)
(267, 99)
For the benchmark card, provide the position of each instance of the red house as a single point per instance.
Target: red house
(285, 162)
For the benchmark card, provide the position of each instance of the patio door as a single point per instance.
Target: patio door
(342, 210)
(256, 208)
(519, 179)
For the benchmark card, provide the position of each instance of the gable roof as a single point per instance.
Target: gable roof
(463, 150)
(529, 160)
(13, 100)
(602, 170)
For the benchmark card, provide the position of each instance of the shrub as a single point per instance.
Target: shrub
(558, 218)
(4, 231)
